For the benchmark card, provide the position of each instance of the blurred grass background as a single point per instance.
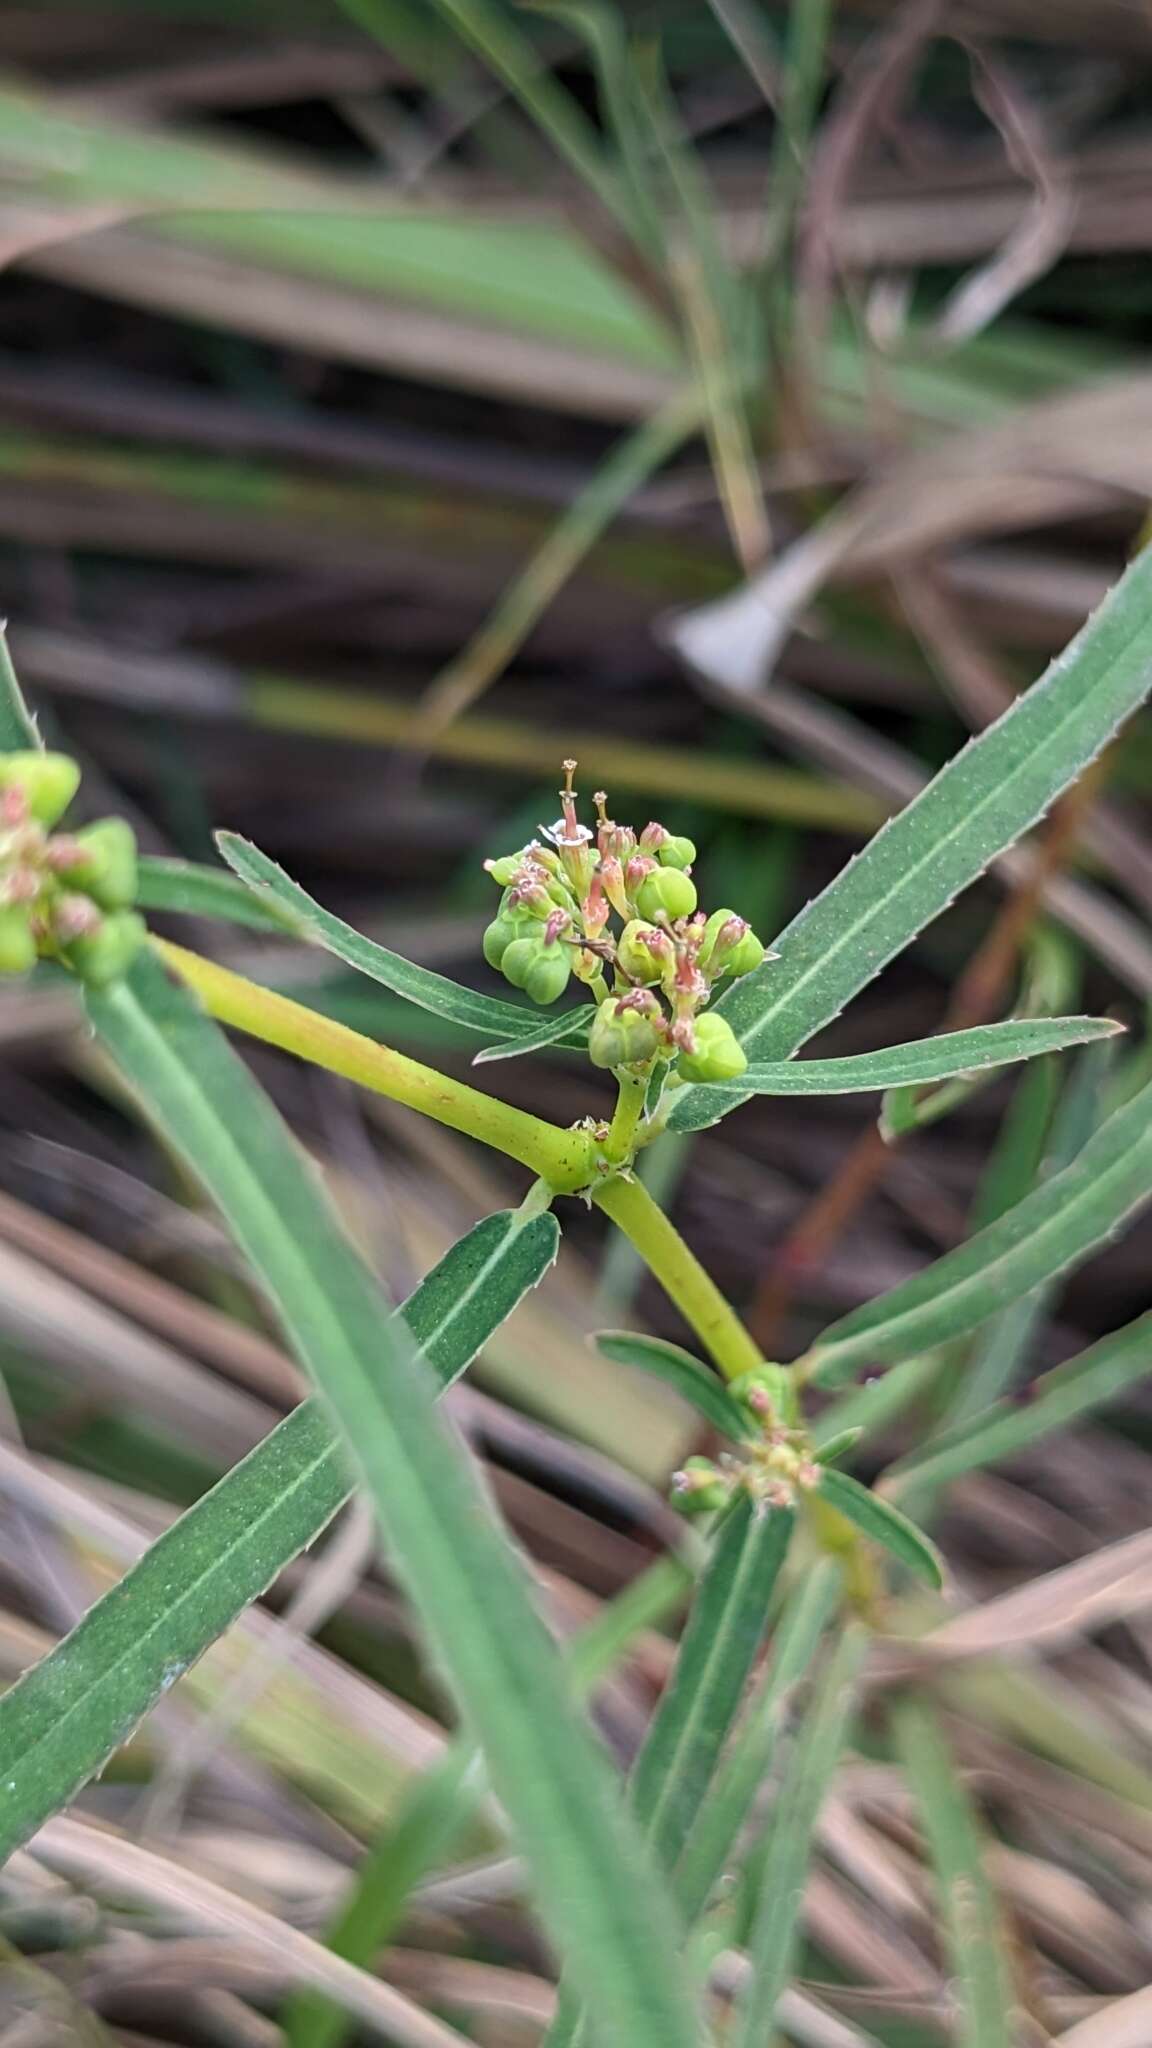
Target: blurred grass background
(377, 423)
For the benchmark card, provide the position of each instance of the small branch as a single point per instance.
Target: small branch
(565, 1159)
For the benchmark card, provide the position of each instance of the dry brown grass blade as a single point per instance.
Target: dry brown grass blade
(1125, 2023)
(1056, 1608)
(91, 1856)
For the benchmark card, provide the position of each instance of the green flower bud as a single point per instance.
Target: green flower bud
(547, 977)
(667, 890)
(520, 955)
(104, 955)
(17, 946)
(674, 852)
(714, 952)
(700, 1488)
(643, 951)
(106, 867)
(47, 781)
(754, 1390)
(718, 1055)
(623, 1037)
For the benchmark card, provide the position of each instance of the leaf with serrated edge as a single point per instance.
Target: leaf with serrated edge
(678, 1369)
(884, 1524)
(979, 804)
(926, 1059)
(464, 1006)
(1053, 1228)
(592, 1878)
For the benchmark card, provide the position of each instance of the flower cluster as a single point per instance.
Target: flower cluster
(63, 895)
(618, 910)
(774, 1469)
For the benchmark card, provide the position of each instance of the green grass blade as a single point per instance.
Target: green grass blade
(884, 1524)
(805, 1615)
(1050, 1230)
(196, 890)
(17, 725)
(719, 1647)
(678, 1369)
(778, 1875)
(1056, 1399)
(418, 984)
(64, 1718)
(978, 805)
(444, 1799)
(926, 1059)
(975, 1934)
(594, 1883)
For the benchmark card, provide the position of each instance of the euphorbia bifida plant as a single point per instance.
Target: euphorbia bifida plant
(601, 926)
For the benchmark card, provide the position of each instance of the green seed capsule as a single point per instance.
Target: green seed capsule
(519, 956)
(106, 870)
(718, 1055)
(547, 978)
(622, 1038)
(676, 852)
(17, 946)
(49, 782)
(666, 890)
(747, 956)
(497, 939)
(506, 869)
(105, 955)
(643, 951)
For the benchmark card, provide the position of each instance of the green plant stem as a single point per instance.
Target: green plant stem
(565, 1159)
(620, 1144)
(680, 1273)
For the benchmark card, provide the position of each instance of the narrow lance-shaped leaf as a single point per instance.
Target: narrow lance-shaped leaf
(596, 1887)
(776, 1875)
(420, 985)
(678, 1369)
(884, 1524)
(806, 1613)
(721, 1642)
(1050, 1230)
(198, 890)
(17, 726)
(1058, 1398)
(978, 805)
(64, 1718)
(975, 1931)
(927, 1059)
(557, 1030)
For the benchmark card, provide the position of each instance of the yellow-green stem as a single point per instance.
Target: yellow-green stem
(565, 1159)
(620, 1144)
(680, 1273)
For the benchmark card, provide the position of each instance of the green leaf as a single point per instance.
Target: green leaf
(678, 1369)
(549, 1032)
(18, 729)
(806, 1613)
(777, 1874)
(975, 1931)
(835, 1447)
(419, 984)
(61, 1722)
(726, 1626)
(978, 805)
(193, 888)
(1050, 1230)
(884, 1524)
(595, 1884)
(1053, 1401)
(926, 1059)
